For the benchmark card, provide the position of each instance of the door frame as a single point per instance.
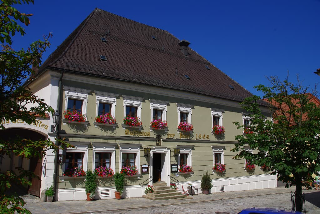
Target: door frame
(165, 158)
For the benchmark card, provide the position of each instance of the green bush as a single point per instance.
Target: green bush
(49, 191)
(90, 183)
(119, 182)
(206, 181)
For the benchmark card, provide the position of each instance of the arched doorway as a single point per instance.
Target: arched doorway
(33, 164)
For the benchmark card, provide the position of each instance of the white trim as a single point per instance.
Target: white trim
(218, 151)
(79, 150)
(215, 113)
(159, 106)
(189, 159)
(184, 109)
(76, 93)
(132, 101)
(137, 158)
(103, 97)
(165, 172)
(105, 150)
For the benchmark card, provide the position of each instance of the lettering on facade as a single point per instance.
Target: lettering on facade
(184, 136)
(202, 137)
(37, 123)
(170, 136)
(137, 133)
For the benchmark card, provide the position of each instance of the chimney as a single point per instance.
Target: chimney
(184, 47)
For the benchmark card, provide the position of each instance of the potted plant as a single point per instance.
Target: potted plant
(159, 125)
(132, 121)
(129, 170)
(105, 119)
(186, 127)
(74, 116)
(104, 172)
(219, 168)
(119, 183)
(49, 193)
(218, 130)
(206, 183)
(90, 185)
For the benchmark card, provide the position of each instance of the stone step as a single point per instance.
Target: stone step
(164, 192)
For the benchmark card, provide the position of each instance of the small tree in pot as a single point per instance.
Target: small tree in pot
(90, 185)
(49, 193)
(206, 183)
(119, 183)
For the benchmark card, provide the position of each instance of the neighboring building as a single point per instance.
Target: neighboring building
(114, 65)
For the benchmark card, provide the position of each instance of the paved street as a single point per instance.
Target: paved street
(224, 202)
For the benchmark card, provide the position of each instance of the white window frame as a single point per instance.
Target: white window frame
(105, 150)
(218, 151)
(132, 101)
(215, 113)
(85, 157)
(189, 159)
(78, 94)
(184, 109)
(130, 150)
(245, 117)
(159, 106)
(103, 97)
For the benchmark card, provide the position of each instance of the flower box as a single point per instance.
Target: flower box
(74, 172)
(185, 169)
(63, 178)
(129, 170)
(218, 130)
(185, 127)
(250, 167)
(159, 125)
(132, 122)
(219, 168)
(74, 116)
(105, 119)
(104, 172)
(76, 122)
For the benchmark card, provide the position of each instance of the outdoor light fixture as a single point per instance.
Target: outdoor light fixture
(176, 151)
(147, 152)
(317, 72)
(55, 119)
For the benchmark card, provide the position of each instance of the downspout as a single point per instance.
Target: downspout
(58, 130)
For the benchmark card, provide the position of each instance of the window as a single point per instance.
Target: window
(185, 156)
(76, 99)
(132, 107)
(246, 121)
(129, 155)
(131, 111)
(128, 159)
(74, 159)
(157, 114)
(104, 108)
(75, 105)
(183, 159)
(184, 114)
(216, 116)
(102, 159)
(106, 103)
(218, 154)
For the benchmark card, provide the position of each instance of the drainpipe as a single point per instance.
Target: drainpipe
(58, 130)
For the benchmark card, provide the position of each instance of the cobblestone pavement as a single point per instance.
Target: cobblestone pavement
(224, 202)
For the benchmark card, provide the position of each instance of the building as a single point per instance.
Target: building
(113, 66)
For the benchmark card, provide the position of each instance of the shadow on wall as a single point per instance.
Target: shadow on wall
(313, 198)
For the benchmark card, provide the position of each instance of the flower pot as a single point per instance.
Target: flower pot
(88, 197)
(205, 191)
(49, 198)
(118, 195)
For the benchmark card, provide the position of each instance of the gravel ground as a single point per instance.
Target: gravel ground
(231, 206)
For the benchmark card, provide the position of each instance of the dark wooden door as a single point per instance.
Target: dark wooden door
(35, 167)
(156, 167)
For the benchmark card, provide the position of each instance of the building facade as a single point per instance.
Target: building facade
(134, 97)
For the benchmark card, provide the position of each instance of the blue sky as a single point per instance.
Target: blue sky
(248, 40)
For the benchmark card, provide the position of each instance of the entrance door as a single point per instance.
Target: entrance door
(157, 167)
(35, 167)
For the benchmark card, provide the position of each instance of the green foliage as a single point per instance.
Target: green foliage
(49, 191)
(119, 182)
(206, 182)
(91, 183)
(289, 145)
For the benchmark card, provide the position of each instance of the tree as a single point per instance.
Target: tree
(17, 101)
(289, 145)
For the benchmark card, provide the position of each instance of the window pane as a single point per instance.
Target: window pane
(104, 108)
(74, 104)
(183, 159)
(157, 114)
(217, 158)
(128, 159)
(216, 121)
(102, 159)
(183, 117)
(131, 111)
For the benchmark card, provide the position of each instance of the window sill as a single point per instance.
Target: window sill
(62, 178)
(159, 130)
(133, 176)
(180, 130)
(75, 122)
(104, 124)
(131, 127)
(185, 173)
(98, 177)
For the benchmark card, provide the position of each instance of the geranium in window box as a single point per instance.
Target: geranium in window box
(74, 116)
(74, 172)
(218, 130)
(187, 127)
(250, 167)
(185, 169)
(129, 170)
(132, 121)
(247, 131)
(219, 168)
(104, 172)
(159, 125)
(265, 168)
(105, 119)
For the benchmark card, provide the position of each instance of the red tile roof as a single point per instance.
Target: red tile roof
(140, 54)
